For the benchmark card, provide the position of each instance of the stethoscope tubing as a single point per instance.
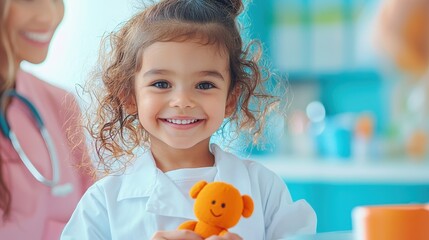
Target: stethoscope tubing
(7, 131)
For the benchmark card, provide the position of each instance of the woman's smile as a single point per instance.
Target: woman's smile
(38, 38)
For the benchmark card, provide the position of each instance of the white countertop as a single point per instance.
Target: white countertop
(340, 235)
(337, 170)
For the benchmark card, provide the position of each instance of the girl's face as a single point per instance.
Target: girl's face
(181, 92)
(30, 25)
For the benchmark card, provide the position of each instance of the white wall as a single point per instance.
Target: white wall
(74, 48)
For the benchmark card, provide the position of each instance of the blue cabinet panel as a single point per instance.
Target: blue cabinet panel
(334, 202)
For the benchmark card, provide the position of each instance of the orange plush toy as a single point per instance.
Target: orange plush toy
(218, 206)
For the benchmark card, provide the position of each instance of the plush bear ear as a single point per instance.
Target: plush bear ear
(247, 206)
(195, 190)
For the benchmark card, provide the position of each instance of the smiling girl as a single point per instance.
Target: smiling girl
(176, 73)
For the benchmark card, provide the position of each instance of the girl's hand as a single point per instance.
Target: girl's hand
(228, 236)
(177, 235)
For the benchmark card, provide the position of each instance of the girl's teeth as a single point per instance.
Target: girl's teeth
(38, 37)
(181, 122)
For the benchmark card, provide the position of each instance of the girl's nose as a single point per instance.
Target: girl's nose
(182, 99)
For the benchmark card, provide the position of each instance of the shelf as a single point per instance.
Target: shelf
(348, 171)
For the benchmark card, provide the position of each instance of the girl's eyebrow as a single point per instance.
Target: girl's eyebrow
(212, 73)
(157, 72)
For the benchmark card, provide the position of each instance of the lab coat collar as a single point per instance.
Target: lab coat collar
(139, 179)
(145, 180)
(231, 169)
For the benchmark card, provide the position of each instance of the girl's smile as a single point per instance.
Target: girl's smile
(183, 123)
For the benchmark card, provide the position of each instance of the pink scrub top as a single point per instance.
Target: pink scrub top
(35, 212)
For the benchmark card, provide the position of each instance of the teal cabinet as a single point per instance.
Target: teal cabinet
(334, 202)
(334, 187)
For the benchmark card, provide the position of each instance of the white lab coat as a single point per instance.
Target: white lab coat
(144, 200)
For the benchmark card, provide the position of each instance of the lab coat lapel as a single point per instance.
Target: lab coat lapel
(167, 200)
(145, 180)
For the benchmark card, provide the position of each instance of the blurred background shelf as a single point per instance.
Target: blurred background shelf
(351, 171)
(334, 187)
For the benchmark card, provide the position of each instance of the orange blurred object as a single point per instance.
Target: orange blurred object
(395, 222)
(404, 33)
(364, 126)
(416, 145)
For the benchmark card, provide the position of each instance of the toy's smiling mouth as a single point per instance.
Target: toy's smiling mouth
(214, 214)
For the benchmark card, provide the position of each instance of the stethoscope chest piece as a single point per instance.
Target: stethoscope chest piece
(62, 190)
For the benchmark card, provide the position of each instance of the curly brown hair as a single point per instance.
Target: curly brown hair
(117, 132)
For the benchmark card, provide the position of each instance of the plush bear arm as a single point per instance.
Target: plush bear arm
(188, 225)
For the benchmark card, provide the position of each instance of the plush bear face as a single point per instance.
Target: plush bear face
(219, 204)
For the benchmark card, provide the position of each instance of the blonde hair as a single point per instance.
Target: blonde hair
(116, 132)
(7, 68)
(6, 81)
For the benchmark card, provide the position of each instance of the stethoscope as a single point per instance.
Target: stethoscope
(56, 188)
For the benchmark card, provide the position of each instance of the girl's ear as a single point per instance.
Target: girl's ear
(231, 102)
(131, 105)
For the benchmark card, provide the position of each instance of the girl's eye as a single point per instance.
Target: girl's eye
(161, 84)
(205, 85)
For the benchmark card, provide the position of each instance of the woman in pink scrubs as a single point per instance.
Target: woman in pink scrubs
(30, 209)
